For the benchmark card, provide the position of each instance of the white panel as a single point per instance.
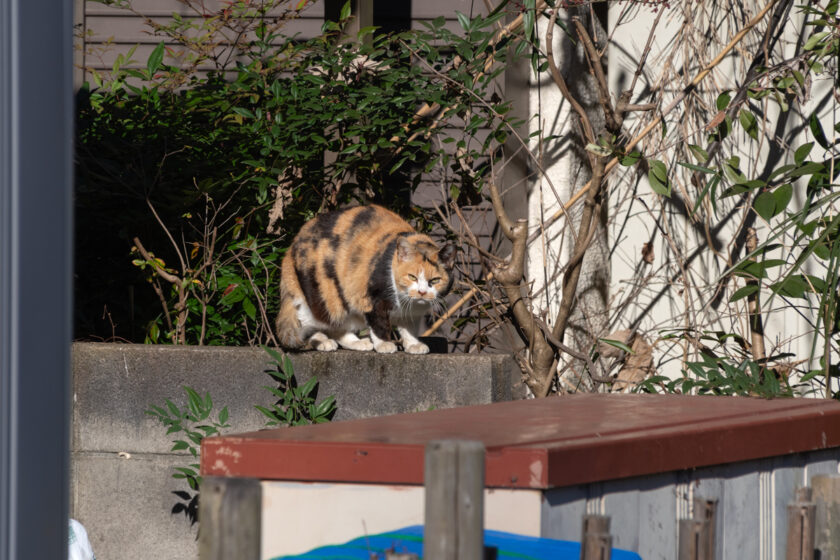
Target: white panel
(298, 517)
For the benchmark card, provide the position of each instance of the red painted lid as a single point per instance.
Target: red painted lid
(558, 441)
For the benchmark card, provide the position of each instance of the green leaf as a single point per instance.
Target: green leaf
(699, 153)
(249, 308)
(709, 186)
(155, 59)
(616, 344)
(244, 112)
(699, 168)
(749, 123)
(630, 159)
(345, 11)
(180, 445)
(307, 387)
(528, 21)
(810, 375)
(723, 100)
(817, 130)
(765, 205)
(463, 20)
(802, 152)
(814, 40)
(223, 416)
(173, 410)
(793, 286)
(743, 292)
(658, 177)
(807, 168)
(782, 195)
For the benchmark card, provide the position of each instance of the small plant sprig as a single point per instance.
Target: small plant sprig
(296, 405)
(195, 422)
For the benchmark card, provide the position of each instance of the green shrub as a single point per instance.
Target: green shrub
(209, 176)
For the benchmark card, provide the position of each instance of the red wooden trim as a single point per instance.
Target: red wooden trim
(538, 444)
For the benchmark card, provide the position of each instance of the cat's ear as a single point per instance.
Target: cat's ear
(405, 249)
(446, 256)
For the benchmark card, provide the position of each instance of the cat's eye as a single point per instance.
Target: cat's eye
(412, 278)
(434, 281)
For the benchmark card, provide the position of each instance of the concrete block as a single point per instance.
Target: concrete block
(125, 504)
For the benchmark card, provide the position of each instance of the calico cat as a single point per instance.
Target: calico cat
(358, 267)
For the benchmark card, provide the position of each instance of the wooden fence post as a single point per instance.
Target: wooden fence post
(706, 511)
(697, 534)
(800, 529)
(454, 479)
(827, 523)
(693, 539)
(596, 541)
(230, 519)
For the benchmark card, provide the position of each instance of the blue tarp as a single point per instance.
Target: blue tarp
(410, 540)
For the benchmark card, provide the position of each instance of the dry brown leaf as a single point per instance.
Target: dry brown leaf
(282, 198)
(638, 366)
(716, 121)
(647, 253)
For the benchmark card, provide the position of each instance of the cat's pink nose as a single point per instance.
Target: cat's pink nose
(421, 292)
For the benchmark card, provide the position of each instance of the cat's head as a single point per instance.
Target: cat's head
(421, 270)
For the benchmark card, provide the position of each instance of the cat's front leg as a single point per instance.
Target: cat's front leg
(379, 321)
(352, 342)
(410, 343)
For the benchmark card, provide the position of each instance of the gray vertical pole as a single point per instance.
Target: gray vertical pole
(800, 526)
(35, 274)
(827, 498)
(454, 516)
(596, 541)
(230, 517)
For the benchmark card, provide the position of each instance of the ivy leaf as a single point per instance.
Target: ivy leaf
(765, 205)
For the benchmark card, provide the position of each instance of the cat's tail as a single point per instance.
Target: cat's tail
(287, 325)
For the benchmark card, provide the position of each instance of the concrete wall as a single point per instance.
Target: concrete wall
(121, 484)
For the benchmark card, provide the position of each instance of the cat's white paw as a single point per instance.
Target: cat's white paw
(327, 345)
(361, 345)
(417, 348)
(385, 347)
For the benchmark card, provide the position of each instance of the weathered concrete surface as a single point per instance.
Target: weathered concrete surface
(125, 501)
(125, 504)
